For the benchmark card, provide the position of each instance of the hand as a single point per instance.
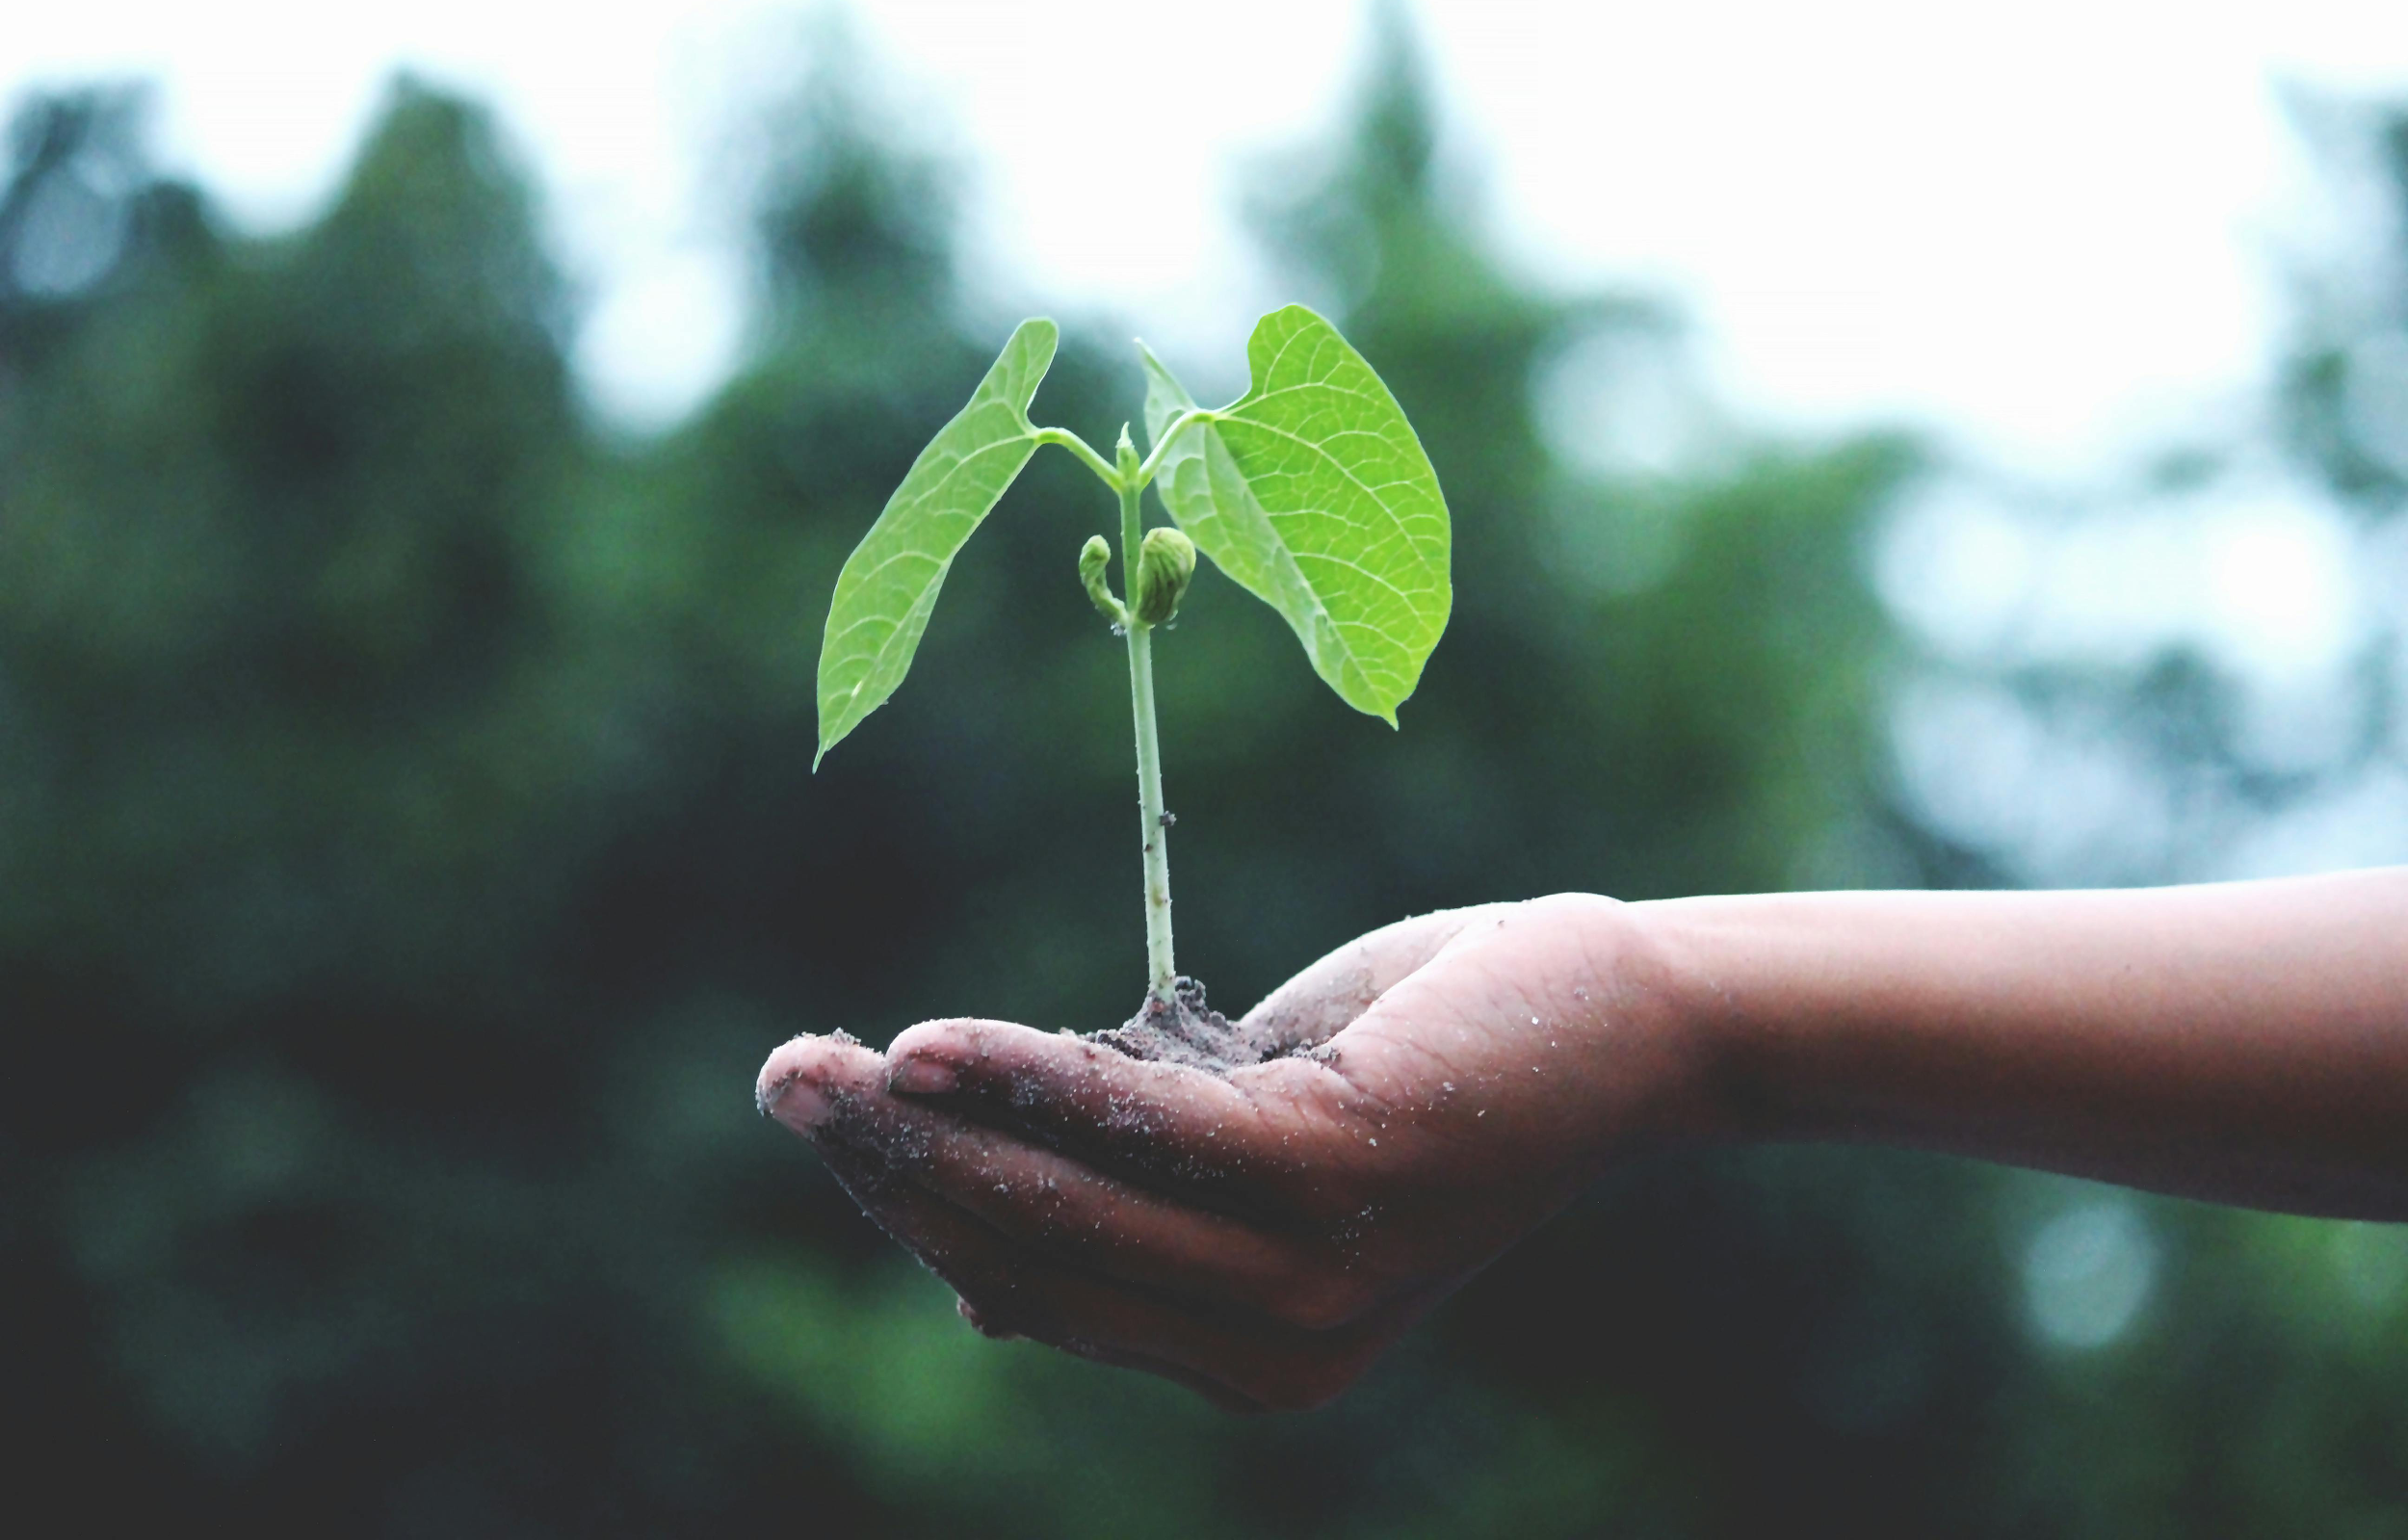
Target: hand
(1263, 1237)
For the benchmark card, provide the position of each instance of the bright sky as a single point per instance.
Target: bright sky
(2046, 229)
(2056, 233)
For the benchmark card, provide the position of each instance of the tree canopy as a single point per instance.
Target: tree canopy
(408, 849)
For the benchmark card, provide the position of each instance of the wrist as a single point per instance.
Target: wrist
(1686, 963)
(1659, 1053)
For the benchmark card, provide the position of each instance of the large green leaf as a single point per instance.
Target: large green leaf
(1313, 492)
(889, 586)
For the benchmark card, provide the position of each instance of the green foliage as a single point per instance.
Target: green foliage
(1094, 558)
(402, 873)
(1166, 567)
(1311, 491)
(888, 588)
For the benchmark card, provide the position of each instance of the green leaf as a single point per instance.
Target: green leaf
(1313, 492)
(889, 586)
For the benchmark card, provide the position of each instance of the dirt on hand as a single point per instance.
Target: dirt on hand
(1186, 1031)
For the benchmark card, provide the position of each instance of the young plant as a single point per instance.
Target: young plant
(1310, 490)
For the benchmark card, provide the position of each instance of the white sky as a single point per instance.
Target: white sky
(2046, 229)
(2056, 233)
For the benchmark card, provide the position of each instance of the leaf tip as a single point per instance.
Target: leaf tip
(830, 740)
(1044, 336)
(1292, 313)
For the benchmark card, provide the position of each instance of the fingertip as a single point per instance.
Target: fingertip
(952, 1037)
(931, 1058)
(778, 1091)
(931, 1042)
(799, 1080)
(921, 1077)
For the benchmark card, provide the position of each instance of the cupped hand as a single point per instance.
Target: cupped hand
(1445, 1083)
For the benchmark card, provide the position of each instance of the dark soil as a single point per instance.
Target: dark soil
(1186, 1031)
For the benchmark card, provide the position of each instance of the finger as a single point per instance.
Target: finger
(1013, 1288)
(1321, 1002)
(1120, 1230)
(835, 1092)
(808, 1080)
(1260, 1145)
(832, 1091)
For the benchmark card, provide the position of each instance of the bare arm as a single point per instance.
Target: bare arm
(1264, 1236)
(2244, 1042)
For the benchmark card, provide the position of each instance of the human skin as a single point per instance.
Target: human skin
(1264, 1236)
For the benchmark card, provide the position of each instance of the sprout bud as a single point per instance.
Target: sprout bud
(1093, 557)
(1165, 565)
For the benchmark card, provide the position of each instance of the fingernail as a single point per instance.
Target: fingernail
(921, 1077)
(793, 1100)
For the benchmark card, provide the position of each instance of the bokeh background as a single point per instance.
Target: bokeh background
(408, 850)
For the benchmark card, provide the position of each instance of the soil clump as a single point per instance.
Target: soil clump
(1186, 1031)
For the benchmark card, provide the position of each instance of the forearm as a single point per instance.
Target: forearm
(2246, 1043)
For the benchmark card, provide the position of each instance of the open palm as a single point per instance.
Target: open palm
(1441, 1086)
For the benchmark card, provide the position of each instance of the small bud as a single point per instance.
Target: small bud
(1093, 557)
(1165, 565)
(1125, 455)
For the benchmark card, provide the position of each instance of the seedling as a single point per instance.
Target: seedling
(1311, 491)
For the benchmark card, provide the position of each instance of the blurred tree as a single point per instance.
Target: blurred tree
(1704, 725)
(2345, 383)
(407, 852)
(2190, 1371)
(302, 769)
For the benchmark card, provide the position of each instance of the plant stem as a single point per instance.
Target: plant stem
(1083, 451)
(1162, 446)
(1162, 973)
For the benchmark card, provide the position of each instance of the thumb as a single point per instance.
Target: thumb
(1328, 996)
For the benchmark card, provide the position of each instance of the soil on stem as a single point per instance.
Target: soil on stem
(1186, 1031)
